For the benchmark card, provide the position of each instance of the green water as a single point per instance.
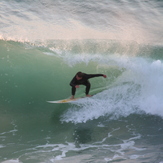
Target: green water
(42, 46)
(112, 124)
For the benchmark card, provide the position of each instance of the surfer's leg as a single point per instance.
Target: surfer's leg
(72, 97)
(88, 86)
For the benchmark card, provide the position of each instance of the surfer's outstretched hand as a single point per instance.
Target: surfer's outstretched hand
(104, 76)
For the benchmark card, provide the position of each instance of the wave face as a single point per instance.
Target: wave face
(43, 45)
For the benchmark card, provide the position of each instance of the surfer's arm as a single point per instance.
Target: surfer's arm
(94, 75)
(73, 82)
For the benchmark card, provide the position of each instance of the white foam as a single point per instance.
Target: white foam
(2, 146)
(139, 89)
(108, 103)
(63, 149)
(12, 161)
(61, 152)
(151, 88)
(134, 157)
(74, 159)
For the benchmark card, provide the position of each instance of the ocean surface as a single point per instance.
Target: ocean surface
(43, 43)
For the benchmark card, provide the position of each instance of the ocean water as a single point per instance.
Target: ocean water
(44, 43)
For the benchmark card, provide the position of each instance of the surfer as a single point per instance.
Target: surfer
(82, 79)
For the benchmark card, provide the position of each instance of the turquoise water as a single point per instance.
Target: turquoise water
(43, 44)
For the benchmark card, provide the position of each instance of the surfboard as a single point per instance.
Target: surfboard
(65, 100)
(68, 100)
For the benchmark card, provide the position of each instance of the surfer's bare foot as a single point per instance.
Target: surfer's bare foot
(72, 97)
(88, 95)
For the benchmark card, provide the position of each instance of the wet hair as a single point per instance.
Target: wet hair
(80, 74)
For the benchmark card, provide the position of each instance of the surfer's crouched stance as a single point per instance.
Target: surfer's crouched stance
(82, 79)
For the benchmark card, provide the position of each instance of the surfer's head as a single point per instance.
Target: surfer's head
(79, 75)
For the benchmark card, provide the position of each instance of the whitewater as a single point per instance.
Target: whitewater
(42, 46)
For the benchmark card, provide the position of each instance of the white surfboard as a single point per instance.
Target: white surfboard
(65, 100)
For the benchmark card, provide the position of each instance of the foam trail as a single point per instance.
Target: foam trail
(135, 91)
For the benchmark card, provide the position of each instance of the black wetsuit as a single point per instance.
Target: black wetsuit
(83, 81)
